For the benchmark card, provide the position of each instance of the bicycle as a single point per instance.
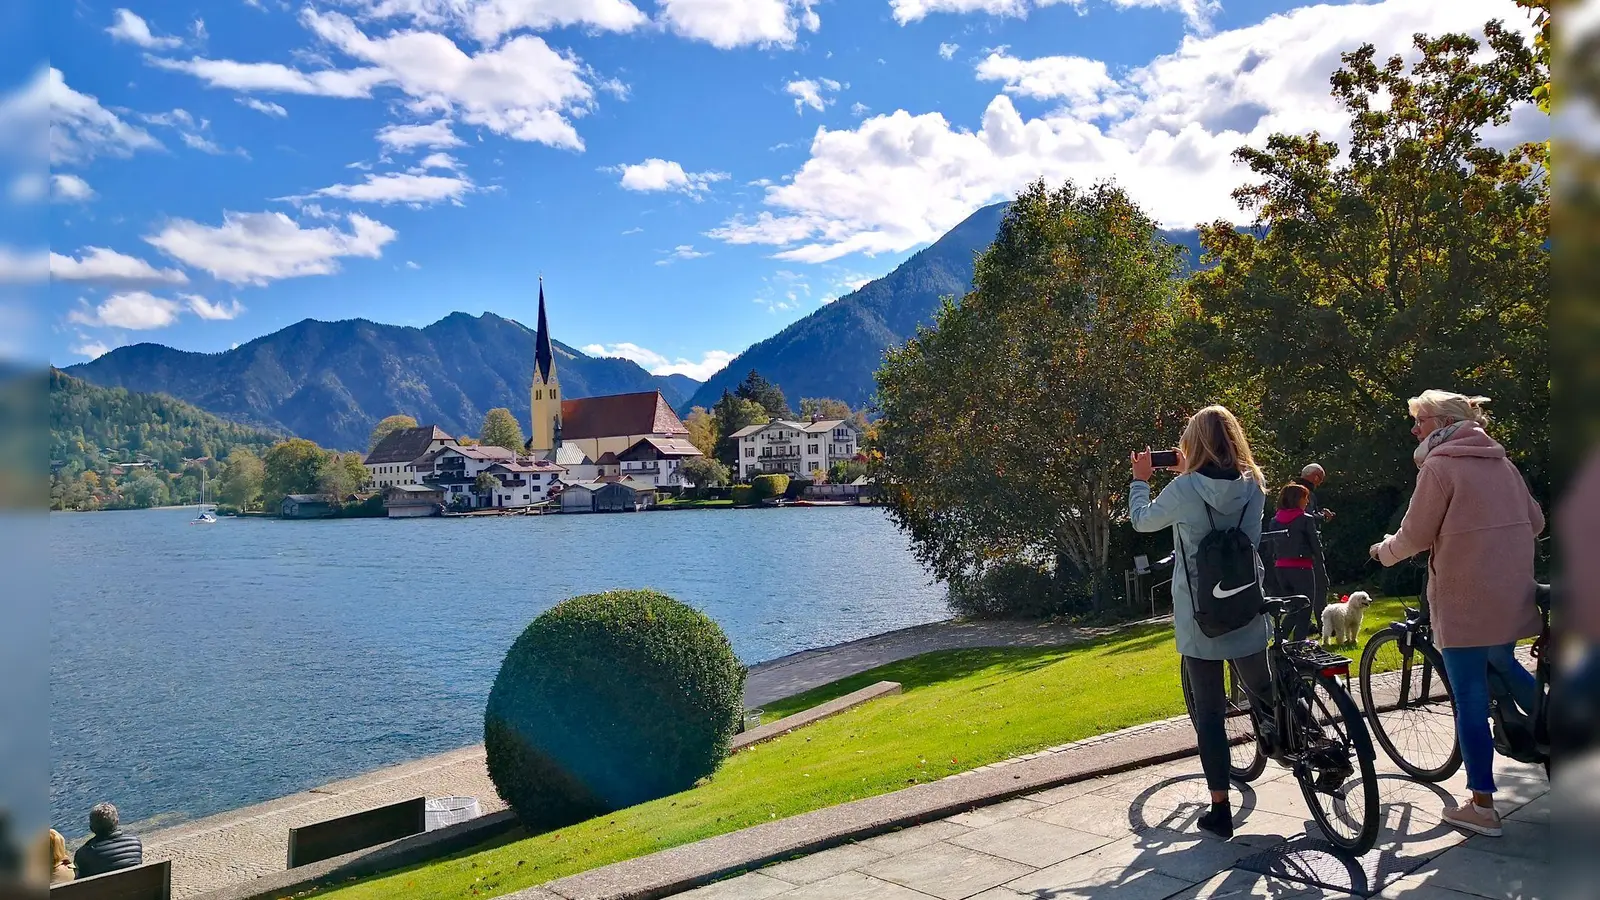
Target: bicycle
(1408, 699)
(1312, 727)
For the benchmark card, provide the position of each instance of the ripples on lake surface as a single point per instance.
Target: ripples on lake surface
(195, 669)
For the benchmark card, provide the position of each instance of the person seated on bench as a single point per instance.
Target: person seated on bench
(110, 849)
(57, 860)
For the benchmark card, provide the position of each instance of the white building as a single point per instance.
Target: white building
(392, 462)
(657, 461)
(795, 448)
(523, 482)
(522, 479)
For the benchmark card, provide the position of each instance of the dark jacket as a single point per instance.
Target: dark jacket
(108, 854)
(1314, 508)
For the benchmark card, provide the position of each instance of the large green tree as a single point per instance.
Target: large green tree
(731, 414)
(1416, 259)
(703, 471)
(242, 478)
(1007, 424)
(770, 396)
(500, 429)
(388, 426)
(340, 474)
(702, 427)
(291, 467)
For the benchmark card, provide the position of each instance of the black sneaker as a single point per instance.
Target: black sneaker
(1218, 822)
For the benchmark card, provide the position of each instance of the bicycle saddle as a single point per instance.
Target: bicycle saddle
(1541, 597)
(1282, 606)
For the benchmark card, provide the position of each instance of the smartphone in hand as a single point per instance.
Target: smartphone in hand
(1163, 459)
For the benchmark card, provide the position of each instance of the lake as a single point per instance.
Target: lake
(199, 668)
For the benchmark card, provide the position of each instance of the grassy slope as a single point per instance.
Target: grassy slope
(960, 709)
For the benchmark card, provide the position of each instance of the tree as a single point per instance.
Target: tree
(242, 478)
(1007, 425)
(484, 486)
(733, 413)
(846, 471)
(703, 471)
(500, 429)
(387, 427)
(340, 474)
(764, 392)
(702, 430)
(1419, 261)
(824, 408)
(293, 466)
(144, 490)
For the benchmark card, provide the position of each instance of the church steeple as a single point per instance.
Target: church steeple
(545, 396)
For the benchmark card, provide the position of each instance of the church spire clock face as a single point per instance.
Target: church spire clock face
(546, 391)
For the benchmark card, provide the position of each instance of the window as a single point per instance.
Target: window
(812, 449)
(749, 451)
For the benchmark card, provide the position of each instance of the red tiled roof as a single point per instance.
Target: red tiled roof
(619, 415)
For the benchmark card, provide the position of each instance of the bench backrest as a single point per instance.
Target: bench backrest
(357, 831)
(151, 881)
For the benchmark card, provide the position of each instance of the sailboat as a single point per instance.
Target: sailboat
(207, 514)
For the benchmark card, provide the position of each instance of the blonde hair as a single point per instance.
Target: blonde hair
(1214, 436)
(56, 847)
(1450, 406)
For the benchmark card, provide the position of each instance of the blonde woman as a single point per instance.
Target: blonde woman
(59, 862)
(1219, 474)
(1473, 511)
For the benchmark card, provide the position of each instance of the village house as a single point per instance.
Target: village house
(795, 448)
(622, 495)
(392, 461)
(657, 461)
(305, 506)
(408, 501)
(523, 482)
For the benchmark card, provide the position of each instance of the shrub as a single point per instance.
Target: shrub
(742, 495)
(1018, 589)
(796, 488)
(769, 486)
(609, 700)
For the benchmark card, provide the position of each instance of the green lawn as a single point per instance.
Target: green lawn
(694, 504)
(959, 710)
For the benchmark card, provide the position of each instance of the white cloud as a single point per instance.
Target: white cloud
(899, 180)
(275, 77)
(948, 51)
(65, 188)
(1085, 84)
(712, 362)
(266, 107)
(400, 187)
(29, 187)
(410, 137)
(102, 265)
(489, 20)
(726, 24)
(256, 248)
(133, 310)
(128, 27)
(634, 230)
(80, 128)
(89, 348)
(682, 251)
(210, 311)
(907, 11)
(859, 109)
(665, 175)
(412, 265)
(23, 266)
(437, 161)
(811, 92)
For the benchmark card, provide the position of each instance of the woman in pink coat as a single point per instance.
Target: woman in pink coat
(1472, 510)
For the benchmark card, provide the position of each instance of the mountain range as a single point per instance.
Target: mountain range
(332, 381)
(834, 351)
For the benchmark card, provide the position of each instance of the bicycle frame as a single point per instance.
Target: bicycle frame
(1414, 628)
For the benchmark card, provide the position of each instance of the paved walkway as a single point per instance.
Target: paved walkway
(232, 847)
(1133, 837)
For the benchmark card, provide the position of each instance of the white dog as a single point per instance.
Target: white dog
(1341, 622)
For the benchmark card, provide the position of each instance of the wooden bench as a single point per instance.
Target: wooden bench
(357, 831)
(151, 881)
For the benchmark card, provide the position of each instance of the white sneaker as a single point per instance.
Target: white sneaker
(1480, 819)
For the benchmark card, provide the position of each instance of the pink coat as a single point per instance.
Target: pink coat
(1473, 511)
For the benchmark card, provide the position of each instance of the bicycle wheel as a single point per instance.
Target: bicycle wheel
(1335, 769)
(1245, 759)
(1408, 702)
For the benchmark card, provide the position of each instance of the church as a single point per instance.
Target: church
(598, 429)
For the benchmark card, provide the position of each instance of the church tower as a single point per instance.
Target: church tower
(546, 393)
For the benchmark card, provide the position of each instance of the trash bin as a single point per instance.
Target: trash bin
(442, 811)
(752, 719)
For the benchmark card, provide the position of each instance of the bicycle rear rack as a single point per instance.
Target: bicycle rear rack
(1308, 657)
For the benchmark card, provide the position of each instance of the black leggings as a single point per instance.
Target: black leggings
(1297, 625)
(1206, 694)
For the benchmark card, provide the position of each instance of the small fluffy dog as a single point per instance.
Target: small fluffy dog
(1341, 622)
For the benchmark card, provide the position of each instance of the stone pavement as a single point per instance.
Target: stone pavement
(237, 846)
(1132, 836)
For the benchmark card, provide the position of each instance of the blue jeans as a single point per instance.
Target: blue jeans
(1468, 669)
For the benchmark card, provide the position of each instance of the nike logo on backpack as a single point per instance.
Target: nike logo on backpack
(1221, 594)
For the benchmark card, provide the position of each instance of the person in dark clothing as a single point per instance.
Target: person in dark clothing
(110, 849)
(1298, 560)
(1311, 478)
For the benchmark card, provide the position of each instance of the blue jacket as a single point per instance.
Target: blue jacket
(1181, 506)
(117, 850)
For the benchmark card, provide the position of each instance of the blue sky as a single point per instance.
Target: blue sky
(688, 175)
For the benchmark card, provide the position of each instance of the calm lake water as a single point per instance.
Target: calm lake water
(195, 669)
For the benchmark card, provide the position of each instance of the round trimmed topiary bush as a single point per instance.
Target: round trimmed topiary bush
(608, 700)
